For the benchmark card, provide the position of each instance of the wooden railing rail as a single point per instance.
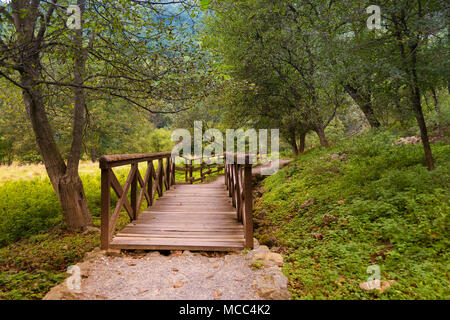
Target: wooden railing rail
(154, 181)
(206, 167)
(238, 179)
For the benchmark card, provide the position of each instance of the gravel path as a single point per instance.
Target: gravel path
(184, 276)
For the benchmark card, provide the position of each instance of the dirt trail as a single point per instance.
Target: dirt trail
(184, 276)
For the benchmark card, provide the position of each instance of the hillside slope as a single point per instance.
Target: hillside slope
(362, 202)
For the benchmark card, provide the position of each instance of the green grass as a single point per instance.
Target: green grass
(381, 206)
(32, 266)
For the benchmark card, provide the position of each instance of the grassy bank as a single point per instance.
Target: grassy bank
(364, 201)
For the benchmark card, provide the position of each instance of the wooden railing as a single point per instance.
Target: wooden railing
(238, 179)
(154, 181)
(206, 167)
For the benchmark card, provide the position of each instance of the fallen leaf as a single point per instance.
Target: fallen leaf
(307, 203)
(318, 236)
(179, 284)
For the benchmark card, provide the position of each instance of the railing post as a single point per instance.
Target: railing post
(226, 176)
(167, 174)
(186, 171)
(133, 193)
(248, 205)
(237, 191)
(105, 207)
(173, 171)
(191, 171)
(201, 170)
(232, 185)
(161, 178)
(150, 181)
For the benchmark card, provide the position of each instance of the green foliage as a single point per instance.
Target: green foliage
(26, 208)
(25, 286)
(31, 267)
(257, 264)
(17, 142)
(109, 130)
(276, 66)
(377, 205)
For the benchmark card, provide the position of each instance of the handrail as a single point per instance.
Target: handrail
(154, 181)
(189, 167)
(117, 160)
(238, 180)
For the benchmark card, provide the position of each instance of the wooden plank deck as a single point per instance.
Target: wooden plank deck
(188, 217)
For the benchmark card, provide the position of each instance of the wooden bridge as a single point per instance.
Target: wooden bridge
(186, 215)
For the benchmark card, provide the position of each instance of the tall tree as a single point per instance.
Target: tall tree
(264, 45)
(133, 54)
(411, 28)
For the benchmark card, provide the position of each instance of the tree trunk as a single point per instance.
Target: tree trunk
(73, 202)
(321, 134)
(294, 146)
(68, 187)
(409, 61)
(364, 104)
(66, 183)
(422, 126)
(94, 154)
(415, 94)
(302, 143)
(438, 110)
(71, 188)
